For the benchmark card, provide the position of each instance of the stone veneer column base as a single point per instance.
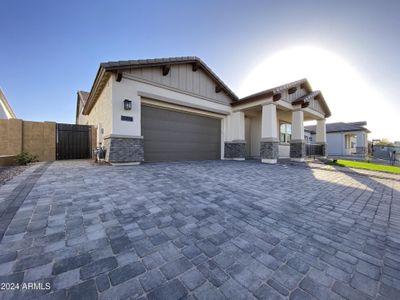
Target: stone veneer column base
(235, 150)
(124, 150)
(297, 150)
(269, 150)
(269, 161)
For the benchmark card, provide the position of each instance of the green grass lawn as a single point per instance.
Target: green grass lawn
(366, 165)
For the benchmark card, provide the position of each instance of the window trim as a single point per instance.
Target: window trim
(285, 142)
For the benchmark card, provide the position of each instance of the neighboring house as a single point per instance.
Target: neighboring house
(384, 151)
(178, 109)
(80, 104)
(6, 111)
(342, 138)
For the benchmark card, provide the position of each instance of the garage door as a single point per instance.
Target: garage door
(171, 135)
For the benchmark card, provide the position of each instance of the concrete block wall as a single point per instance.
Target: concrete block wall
(37, 138)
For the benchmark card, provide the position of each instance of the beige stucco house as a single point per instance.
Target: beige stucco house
(179, 109)
(6, 111)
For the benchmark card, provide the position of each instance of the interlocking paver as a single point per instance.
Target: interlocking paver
(151, 280)
(176, 267)
(126, 272)
(266, 292)
(170, 291)
(193, 279)
(70, 263)
(202, 230)
(98, 267)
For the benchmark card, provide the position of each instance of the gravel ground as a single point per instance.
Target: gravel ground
(7, 173)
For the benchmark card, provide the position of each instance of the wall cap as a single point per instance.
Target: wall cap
(109, 136)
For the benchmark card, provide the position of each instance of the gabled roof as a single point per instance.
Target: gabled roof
(6, 105)
(275, 90)
(116, 66)
(340, 127)
(305, 100)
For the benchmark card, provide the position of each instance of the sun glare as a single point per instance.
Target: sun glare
(349, 96)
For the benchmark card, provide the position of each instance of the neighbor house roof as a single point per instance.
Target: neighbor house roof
(340, 127)
(4, 103)
(276, 94)
(107, 68)
(81, 100)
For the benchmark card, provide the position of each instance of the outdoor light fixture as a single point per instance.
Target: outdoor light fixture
(127, 104)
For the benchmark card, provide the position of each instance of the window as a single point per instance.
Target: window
(285, 130)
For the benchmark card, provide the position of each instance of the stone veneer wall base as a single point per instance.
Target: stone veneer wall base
(235, 150)
(124, 150)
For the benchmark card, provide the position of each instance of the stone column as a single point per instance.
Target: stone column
(269, 135)
(297, 143)
(235, 144)
(320, 137)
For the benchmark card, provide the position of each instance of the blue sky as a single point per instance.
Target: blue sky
(51, 49)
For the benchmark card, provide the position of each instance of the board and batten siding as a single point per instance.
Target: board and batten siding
(182, 77)
(315, 105)
(291, 97)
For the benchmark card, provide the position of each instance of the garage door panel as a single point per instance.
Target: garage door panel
(181, 146)
(171, 135)
(181, 136)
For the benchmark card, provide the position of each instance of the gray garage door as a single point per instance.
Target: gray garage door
(170, 135)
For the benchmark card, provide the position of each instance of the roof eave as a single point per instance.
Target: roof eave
(91, 98)
(188, 60)
(7, 105)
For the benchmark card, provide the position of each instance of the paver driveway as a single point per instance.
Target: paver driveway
(200, 230)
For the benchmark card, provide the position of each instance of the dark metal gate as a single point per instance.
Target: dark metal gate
(314, 150)
(73, 141)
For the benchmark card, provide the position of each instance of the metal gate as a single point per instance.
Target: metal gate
(73, 141)
(314, 150)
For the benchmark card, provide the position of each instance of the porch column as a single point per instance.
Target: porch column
(297, 143)
(235, 144)
(269, 135)
(321, 135)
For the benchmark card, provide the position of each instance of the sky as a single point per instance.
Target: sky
(347, 49)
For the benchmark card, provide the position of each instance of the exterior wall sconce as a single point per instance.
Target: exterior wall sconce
(127, 104)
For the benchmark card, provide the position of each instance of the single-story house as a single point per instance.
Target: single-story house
(179, 109)
(342, 138)
(6, 111)
(385, 151)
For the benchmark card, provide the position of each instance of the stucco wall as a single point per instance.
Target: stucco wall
(134, 90)
(335, 143)
(101, 114)
(255, 135)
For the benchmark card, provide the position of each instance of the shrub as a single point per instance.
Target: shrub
(25, 158)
